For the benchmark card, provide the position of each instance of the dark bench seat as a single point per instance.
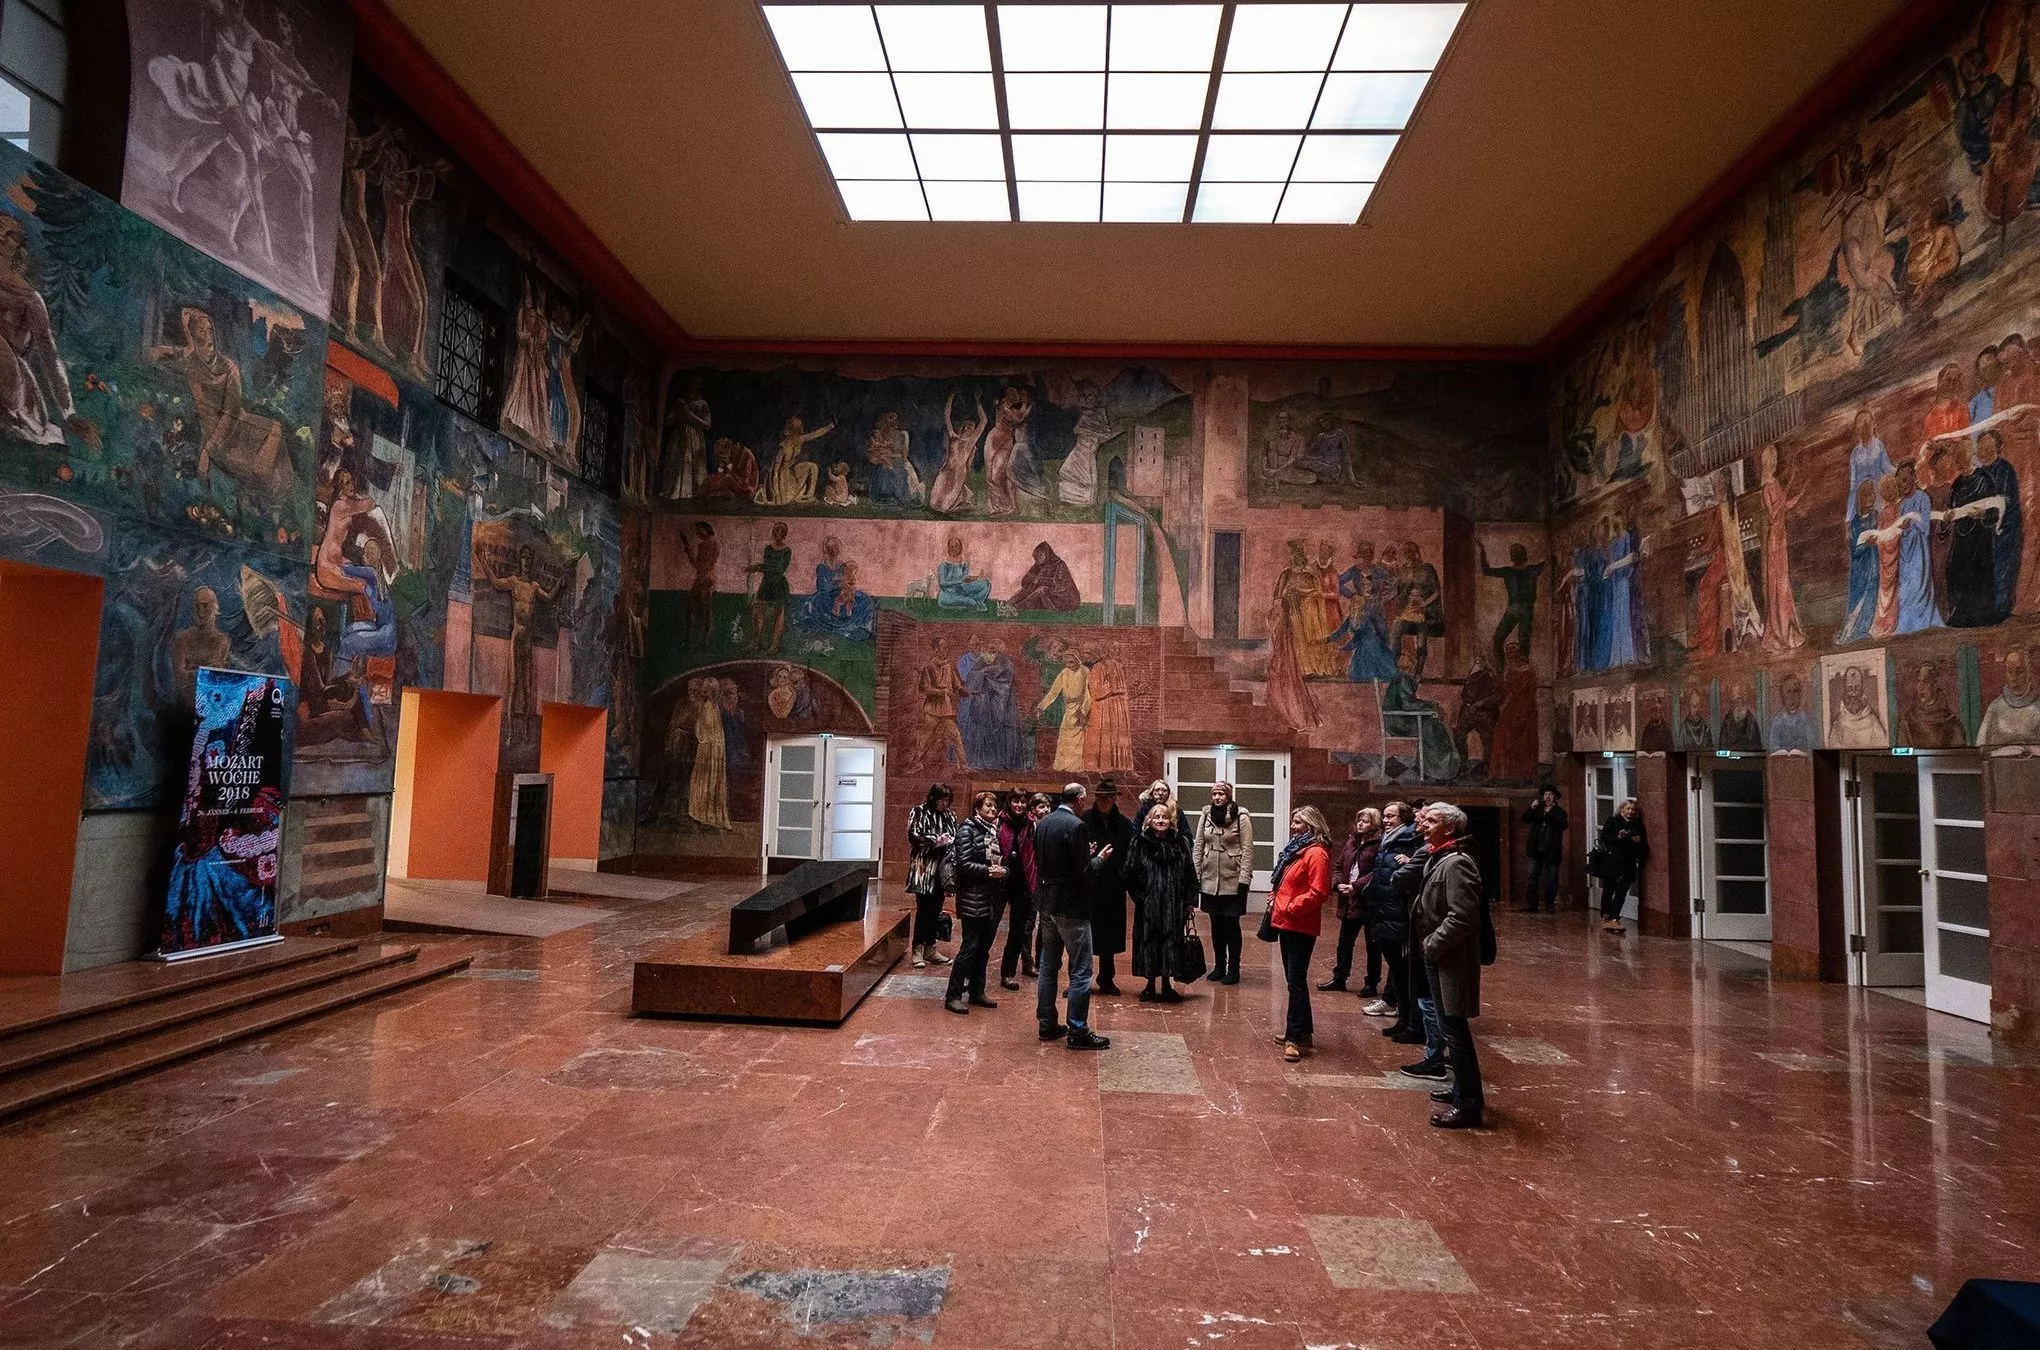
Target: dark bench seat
(811, 896)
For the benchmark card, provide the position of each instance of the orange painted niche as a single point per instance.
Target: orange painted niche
(571, 740)
(49, 645)
(441, 816)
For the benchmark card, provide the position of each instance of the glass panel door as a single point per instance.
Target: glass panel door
(1955, 886)
(854, 804)
(793, 797)
(1886, 919)
(1734, 857)
(1611, 781)
(1260, 780)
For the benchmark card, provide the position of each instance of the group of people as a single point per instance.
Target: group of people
(1616, 860)
(1061, 875)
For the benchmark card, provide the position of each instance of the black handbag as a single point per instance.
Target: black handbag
(1186, 962)
(1597, 863)
(1266, 932)
(945, 927)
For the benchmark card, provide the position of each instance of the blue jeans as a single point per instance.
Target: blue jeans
(1456, 1035)
(1544, 874)
(1427, 1008)
(1060, 933)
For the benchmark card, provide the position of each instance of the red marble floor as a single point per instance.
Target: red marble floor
(1683, 1154)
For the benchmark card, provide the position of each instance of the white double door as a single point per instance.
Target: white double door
(1260, 780)
(1611, 781)
(1919, 912)
(1731, 851)
(825, 798)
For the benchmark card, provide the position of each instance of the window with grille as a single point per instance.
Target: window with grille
(602, 439)
(470, 377)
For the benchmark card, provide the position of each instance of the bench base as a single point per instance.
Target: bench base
(819, 979)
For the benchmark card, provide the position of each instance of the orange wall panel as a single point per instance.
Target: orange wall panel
(571, 750)
(453, 782)
(49, 643)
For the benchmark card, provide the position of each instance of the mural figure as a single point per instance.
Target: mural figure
(1048, 584)
(1014, 406)
(1441, 753)
(2013, 717)
(1367, 588)
(201, 643)
(1656, 735)
(527, 407)
(1077, 480)
(1071, 689)
(246, 446)
(1739, 728)
(1287, 694)
(790, 697)
(1864, 258)
(736, 472)
(708, 785)
(950, 493)
(401, 297)
(2007, 543)
(1928, 721)
(1480, 709)
(1863, 570)
(1519, 581)
(837, 491)
(940, 687)
(1856, 718)
(1973, 518)
(736, 734)
(768, 603)
(957, 587)
(525, 591)
(1745, 616)
(35, 388)
(837, 608)
(1297, 599)
(1905, 589)
(791, 479)
(235, 142)
(563, 337)
(1618, 720)
(1791, 727)
(1635, 406)
(698, 619)
(1282, 452)
(893, 480)
(1585, 606)
(1616, 642)
(1512, 754)
(1782, 632)
(1868, 463)
(1108, 730)
(1420, 605)
(1696, 728)
(988, 717)
(687, 467)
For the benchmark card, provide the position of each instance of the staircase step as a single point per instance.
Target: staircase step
(104, 1026)
(126, 1059)
(31, 1004)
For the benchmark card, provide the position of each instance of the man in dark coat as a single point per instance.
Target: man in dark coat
(1547, 822)
(1111, 833)
(1065, 864)
(1446, 926)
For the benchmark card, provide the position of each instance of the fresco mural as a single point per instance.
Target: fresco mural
(236, 132)
(1818, 428)
(394, 233)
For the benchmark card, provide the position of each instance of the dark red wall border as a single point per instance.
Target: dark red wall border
(1901, 31)
(1104, 351)
(389, 49)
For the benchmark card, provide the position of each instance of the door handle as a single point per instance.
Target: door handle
(1925, 874)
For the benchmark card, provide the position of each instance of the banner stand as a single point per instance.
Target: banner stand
(224, 949)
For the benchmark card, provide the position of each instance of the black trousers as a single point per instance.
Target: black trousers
(927, 911)
(1225, 944)
(1350, 931)
(1374, 962)
(967, 973)
(1019, 931)
(1392, 990)
(1615, 894)
(1459, 1051)
(1296, 949)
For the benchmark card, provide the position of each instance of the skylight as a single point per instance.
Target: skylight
(1246, 113)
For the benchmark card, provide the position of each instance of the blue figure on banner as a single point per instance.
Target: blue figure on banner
(222, 885)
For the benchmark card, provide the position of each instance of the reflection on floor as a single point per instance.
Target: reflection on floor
(1684, 1154)
(459, 907)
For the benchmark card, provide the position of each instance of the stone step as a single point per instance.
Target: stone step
(30, 1003)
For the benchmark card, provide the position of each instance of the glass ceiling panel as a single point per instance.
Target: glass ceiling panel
(959, 112)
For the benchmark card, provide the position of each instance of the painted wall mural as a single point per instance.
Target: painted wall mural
(1816, 433)
(235, 132)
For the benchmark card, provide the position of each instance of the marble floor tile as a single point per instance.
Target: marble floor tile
(1385, 1254)
(1148, 1061)
(1525, 1050)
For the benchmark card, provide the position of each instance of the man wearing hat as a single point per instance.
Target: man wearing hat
(1108, 830)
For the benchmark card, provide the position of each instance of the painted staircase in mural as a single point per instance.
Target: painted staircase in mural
(60, 1036)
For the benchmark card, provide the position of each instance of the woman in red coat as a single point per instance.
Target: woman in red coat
(1302, 885)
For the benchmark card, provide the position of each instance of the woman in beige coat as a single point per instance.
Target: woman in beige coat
(1224, 853)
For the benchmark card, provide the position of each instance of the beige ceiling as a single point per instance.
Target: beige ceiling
(1558, 137)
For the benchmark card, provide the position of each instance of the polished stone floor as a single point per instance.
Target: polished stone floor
(1684, 1154)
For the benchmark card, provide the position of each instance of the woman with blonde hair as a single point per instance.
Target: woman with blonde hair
(1158, 793)
(1223, 852)
(1302, 885)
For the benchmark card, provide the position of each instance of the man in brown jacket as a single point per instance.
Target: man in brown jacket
(1447, 922)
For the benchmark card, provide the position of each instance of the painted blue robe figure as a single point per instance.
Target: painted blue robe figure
(1618, 626)
(890, 481)
(1862, 598)
(1917, 610)
(956, 588)
(377, 634)
(825, 614)
(1589, 612)
(1441, 752)
(1982, 404)
(1868, 463)
(1330, 455)
(986, 714)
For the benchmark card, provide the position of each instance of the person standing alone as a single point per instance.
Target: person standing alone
(1547, 822)
(1065, 863)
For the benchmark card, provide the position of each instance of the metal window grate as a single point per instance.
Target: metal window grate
(602, 438)
(470, 368)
